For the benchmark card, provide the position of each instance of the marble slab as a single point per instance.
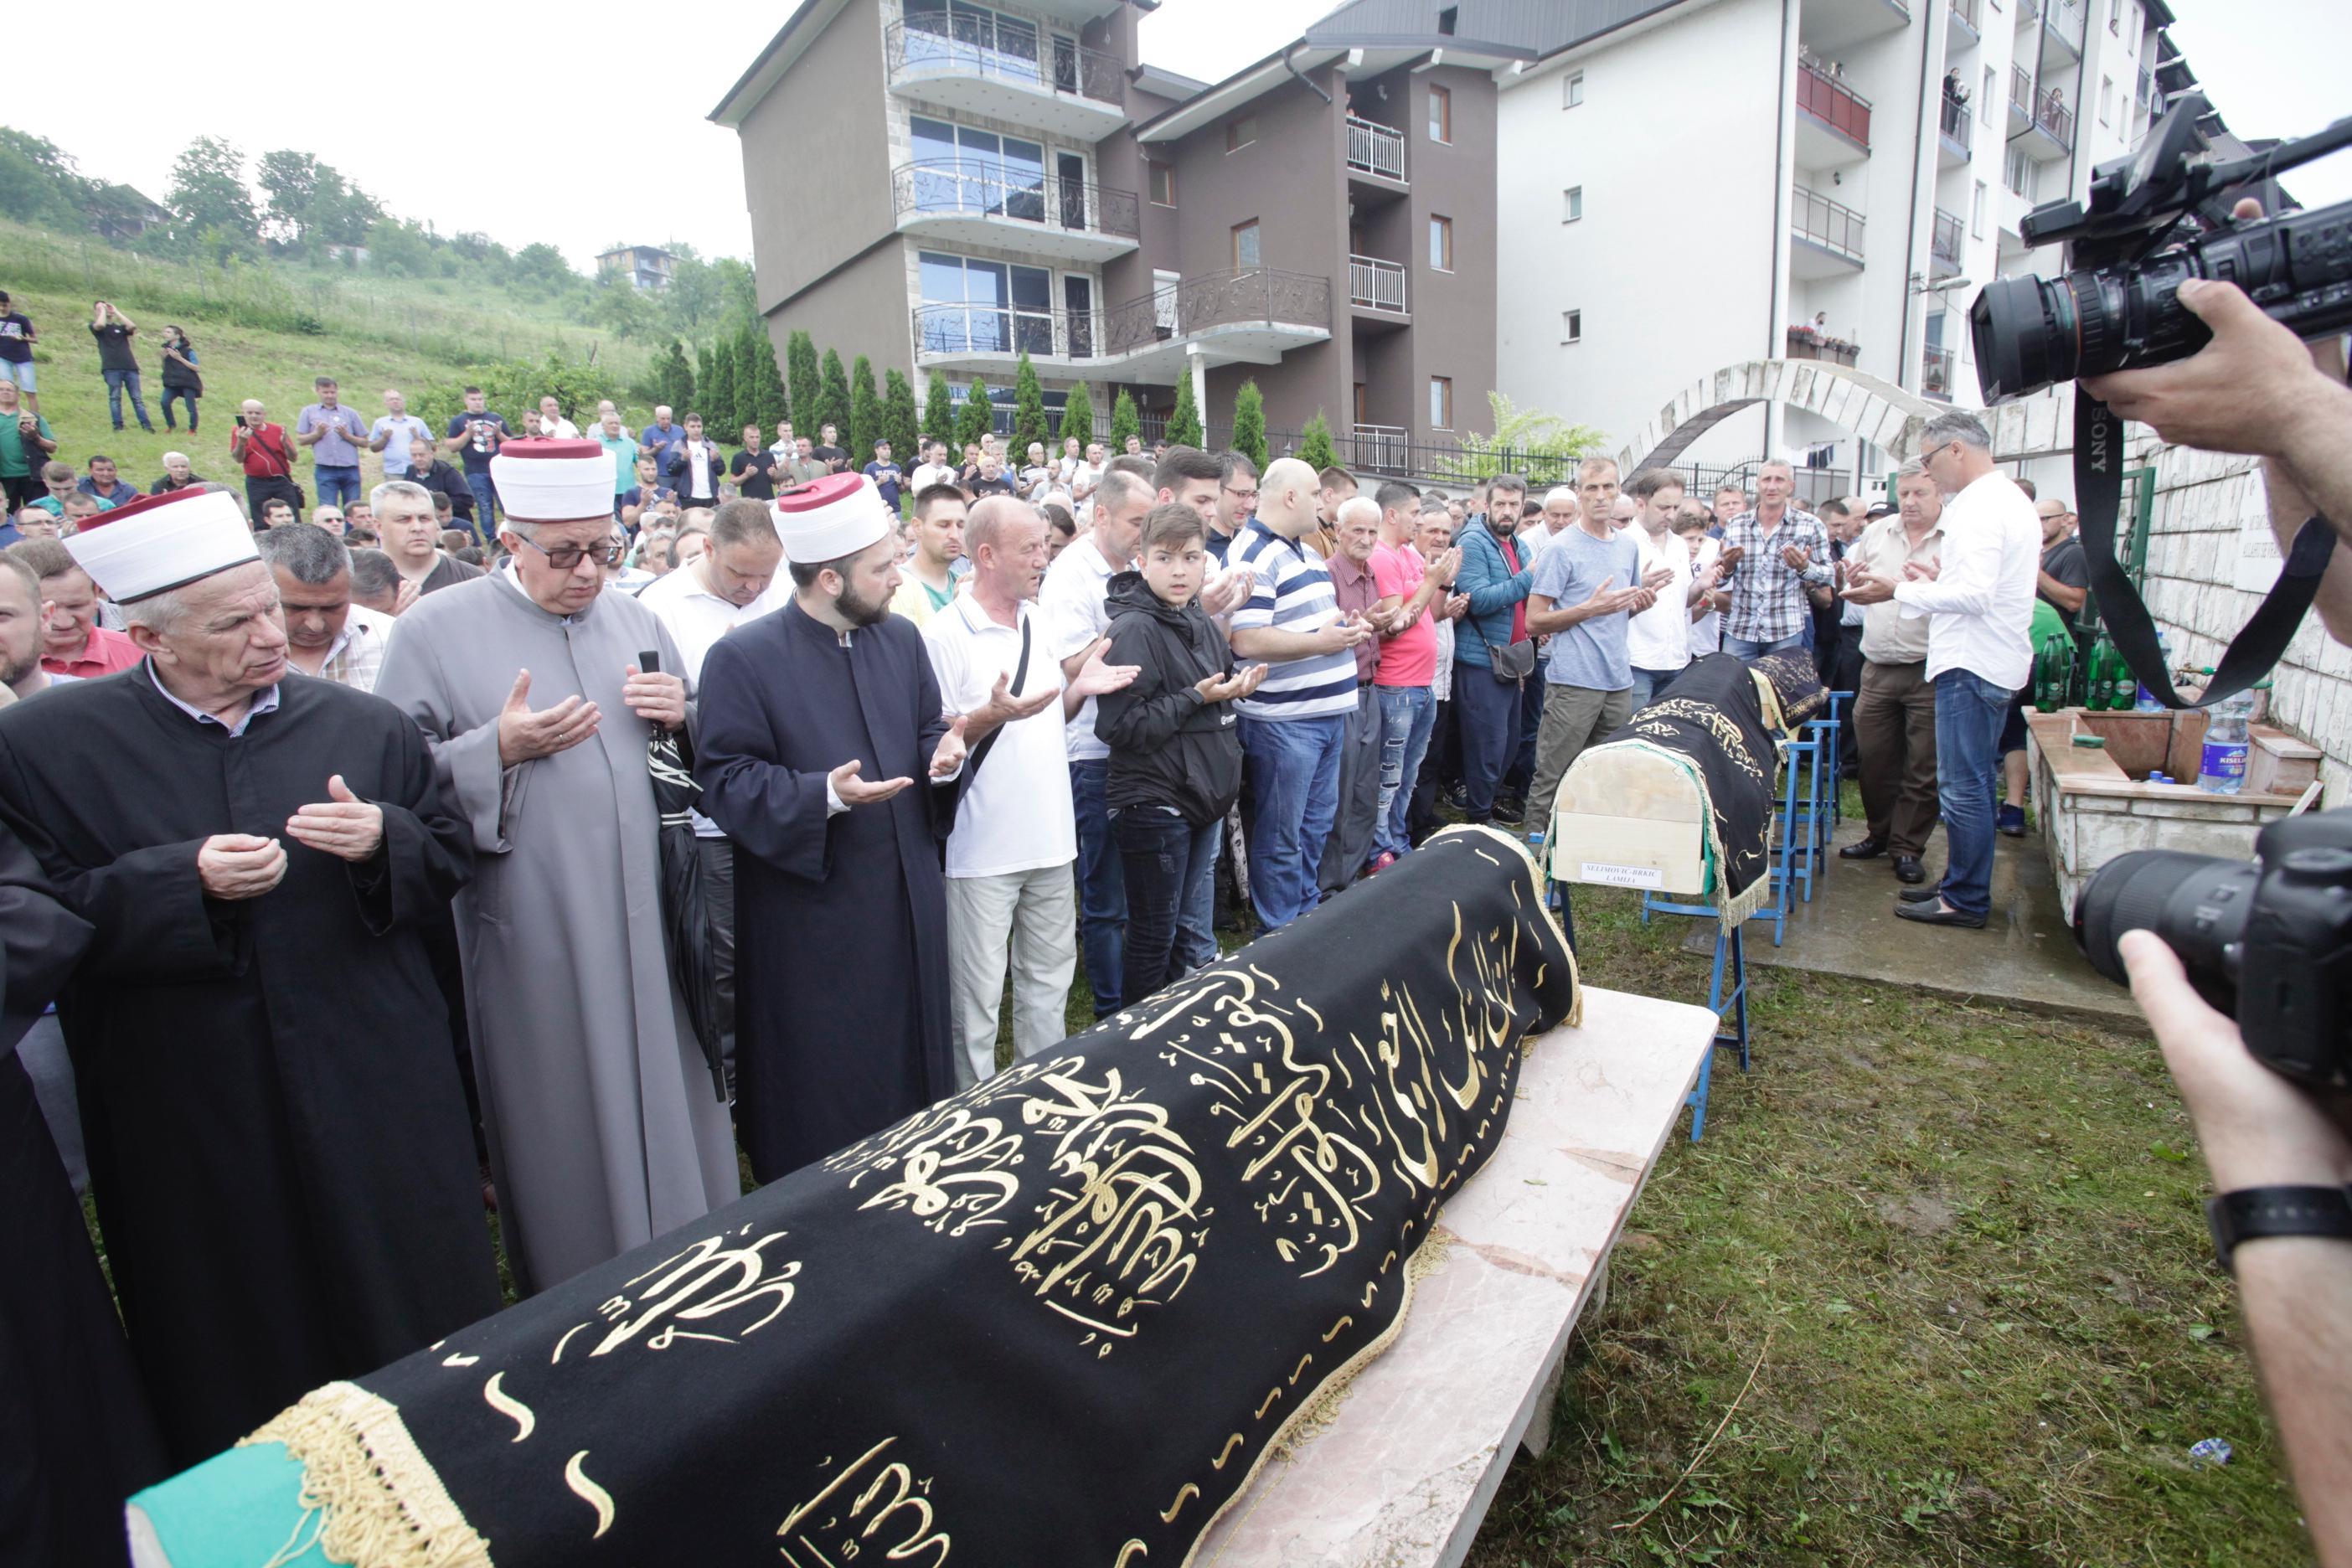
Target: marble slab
(1405, 1470)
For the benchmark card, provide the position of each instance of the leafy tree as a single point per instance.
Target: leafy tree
(399, 249)
(719, 393)
(38, 182)
(1028, 410)
(1124, 422)
(513, 386)
(898, 417)
(801, 374)
(208, 190)
(1078, 417)
(1185, 424)
(939, 410)
(673, 377)
(1543, 447)
(831, 398)
(706, 382)
(1249, 424)
(541, 264)
(310, 203)
(978, 416)
(864, 413)
(766, 379)
(1315, 444)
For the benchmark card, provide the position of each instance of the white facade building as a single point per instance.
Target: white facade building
(1728, 180)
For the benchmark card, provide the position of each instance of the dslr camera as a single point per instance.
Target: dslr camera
(2268, 941)
(2151, 221)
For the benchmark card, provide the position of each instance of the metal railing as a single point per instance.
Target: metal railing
(1833, 102)
(2020, 94)
(1936, 374)
(2146, 78)
(975, 188)
(2067, 18)
(1195, 304)
(1382, 448)
(1830, 225)
(2052, 116)
(1005, 47)
(1375, 149)
(1944, 245)
(1957, 125)
(1970, 12)
(1376, 283)
(1806, 344)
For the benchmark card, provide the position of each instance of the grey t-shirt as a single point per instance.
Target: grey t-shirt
(1591, 653)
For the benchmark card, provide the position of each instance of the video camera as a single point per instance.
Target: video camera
(2152, 221)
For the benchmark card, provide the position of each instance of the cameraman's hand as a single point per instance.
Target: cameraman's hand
(2257, 1129)
(2253, 389)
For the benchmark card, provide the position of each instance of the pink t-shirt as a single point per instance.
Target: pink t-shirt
(1410, 659)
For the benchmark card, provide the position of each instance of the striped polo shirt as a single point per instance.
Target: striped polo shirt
(1293, 593)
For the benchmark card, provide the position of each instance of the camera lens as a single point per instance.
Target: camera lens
(2197, 903)
(2024, 334)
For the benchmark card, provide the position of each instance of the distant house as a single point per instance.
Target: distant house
(647, 266)
(118, 212)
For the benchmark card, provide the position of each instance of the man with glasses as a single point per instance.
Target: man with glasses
(1236, 501)
(605, 1130)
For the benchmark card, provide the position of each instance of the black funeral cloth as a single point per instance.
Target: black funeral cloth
(277, 1136)
(841, 936)
(1797, 688)
(1058, 1318)
(1712, 718)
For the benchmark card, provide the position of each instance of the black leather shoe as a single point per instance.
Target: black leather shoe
(1864, 849)
(1510, 813)
(1918, 895)
(1906, 870)
(1937, 915)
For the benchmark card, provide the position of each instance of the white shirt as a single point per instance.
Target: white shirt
(1659, 638)
(1706, 632)
(562, 430)
(697, 619)
(1076, 600)
(929, 474)
(1979, 608)
(1016, 813)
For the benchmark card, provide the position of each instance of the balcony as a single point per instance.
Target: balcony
(1828, 26)
(1804, 342)
(1944, 243)
(2146, 78)
(1380, 448)
(1827, 235)
(1956, 130)
(975, 201)
(1376, 285)
(1936, 374)
(2061, 23)
(1008, 67)
(1254, 316)
(2053, 135)
(1963, 25)
(2021, 100)
(1375, 149)
(1833, 121)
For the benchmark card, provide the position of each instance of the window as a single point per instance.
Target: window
(1441, 403)
(2114, 15)
(1572, 91)
(1441, 244)
(1240, 133)
(1986, 105)
(1977, 211)
(960, 169)
(1441, 114)
(1159, 179)
(971, 306)
(1571, 326)
(2014, 171)
(1246, 250)
(1446, 19)
(2106, 98)
(1574, 198)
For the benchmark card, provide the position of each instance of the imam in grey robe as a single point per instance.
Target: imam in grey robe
(604, 1129)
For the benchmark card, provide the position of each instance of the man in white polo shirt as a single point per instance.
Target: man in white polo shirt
(1010, 893)
(1978, 604)
(733, 582)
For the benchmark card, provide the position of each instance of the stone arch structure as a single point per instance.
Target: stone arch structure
(1877, 411)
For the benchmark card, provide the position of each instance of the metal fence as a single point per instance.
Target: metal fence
(1944, 245)
(1210, 299)
(1375, 149)
(1375, 283)
(1004, 47)
(1833, 102)
(969, 187)
(1832, 225)
(1959, 127)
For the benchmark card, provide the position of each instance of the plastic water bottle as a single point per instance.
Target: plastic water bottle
(2148, 701)
(2222, 769)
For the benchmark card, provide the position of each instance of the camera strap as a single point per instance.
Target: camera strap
(2098, 491)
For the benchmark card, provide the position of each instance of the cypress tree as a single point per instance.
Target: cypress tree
(673, 377)
(978, 416)
(831, 398)
(1315, 444)
(1078, 417)
(1249, 424)
(1124, 422)
(767, 379)
(864, 414)
(899, 419)
(705, 385)
(717, 408)
(1185, 424)
(1028, 411)
(801, 375)
(939, 410)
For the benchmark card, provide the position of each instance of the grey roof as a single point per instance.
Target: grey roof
(1543, 27)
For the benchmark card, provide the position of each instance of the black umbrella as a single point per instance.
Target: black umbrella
(669, 758)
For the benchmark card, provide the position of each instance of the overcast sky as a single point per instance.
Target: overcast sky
(551, 123)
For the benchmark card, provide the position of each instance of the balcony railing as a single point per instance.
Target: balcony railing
(1936, 374)
(1957, 125)
(2052, 116)
(1375, 149)
(1377, 284)
(2020, 95)
(1382, 448)
(1833, 102)
(1005, 47)
(1944, 245)
(1804, 342)
(1196, 304)
(1830, 225)
(972, 187)
(2146, 78)
(2067, 18)
(1970, 12)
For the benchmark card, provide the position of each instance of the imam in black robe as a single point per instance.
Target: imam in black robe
(278, 1141)
(840, 1010)
(75, 1434)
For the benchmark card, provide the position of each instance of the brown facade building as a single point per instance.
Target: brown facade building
(942, 185)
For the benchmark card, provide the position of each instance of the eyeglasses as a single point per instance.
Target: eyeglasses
(565, 557)
(1239, 495)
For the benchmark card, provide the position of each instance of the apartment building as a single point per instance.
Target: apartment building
(1714, 180)
(943, 185)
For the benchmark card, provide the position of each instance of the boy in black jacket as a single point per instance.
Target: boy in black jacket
(1175, 751)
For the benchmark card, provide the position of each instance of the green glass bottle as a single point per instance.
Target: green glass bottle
(2099, 684)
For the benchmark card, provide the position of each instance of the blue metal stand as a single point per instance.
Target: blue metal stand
(1731, 955)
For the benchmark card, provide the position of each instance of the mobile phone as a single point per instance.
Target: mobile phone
(649, 662)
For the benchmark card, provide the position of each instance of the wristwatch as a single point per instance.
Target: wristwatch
(2250, 1214)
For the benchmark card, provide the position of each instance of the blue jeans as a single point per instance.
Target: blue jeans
(1968, 715)
(1160, 856)
(186, 394)
(1102, 890)
(1196, 912)
(1407, 712)
(1649, 685)
(339, 484)
(1749, 647)
(1294, 768)
(1488, 712)
(118, 382)
(485, 506)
